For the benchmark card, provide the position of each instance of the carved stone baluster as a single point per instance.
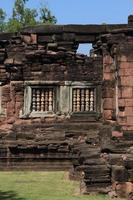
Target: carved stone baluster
(50, 99)
(38, 100)
(33, 100)
(87, 100)
(82, 100)
(78, 100)
(46, 100)
(42, 100)
(91, 100)
(74, 100)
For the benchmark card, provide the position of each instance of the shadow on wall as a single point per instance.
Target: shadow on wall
(9, 195)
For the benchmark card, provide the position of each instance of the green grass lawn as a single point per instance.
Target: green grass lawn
(40, 186)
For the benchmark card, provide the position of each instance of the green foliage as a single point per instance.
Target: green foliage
(2, 20)
(23, 16)
(46, 16)
(41, 186)
(13, 25)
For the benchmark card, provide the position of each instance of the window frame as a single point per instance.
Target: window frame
(27, 112)
(83, 87)
(97, 97)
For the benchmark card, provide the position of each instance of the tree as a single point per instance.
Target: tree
(2, 20)
(46, 16)
(23, 16)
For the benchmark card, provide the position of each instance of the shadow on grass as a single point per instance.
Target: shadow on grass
(9, 195)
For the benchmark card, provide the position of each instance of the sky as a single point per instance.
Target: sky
(81, 11)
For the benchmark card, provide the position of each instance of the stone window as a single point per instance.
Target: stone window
(43, 99)
(80, 98)
(40, 99)
(83, 99)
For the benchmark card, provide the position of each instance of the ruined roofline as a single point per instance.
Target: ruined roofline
(71, 32)
(70, 28)
(73, 28)
(95, 29)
